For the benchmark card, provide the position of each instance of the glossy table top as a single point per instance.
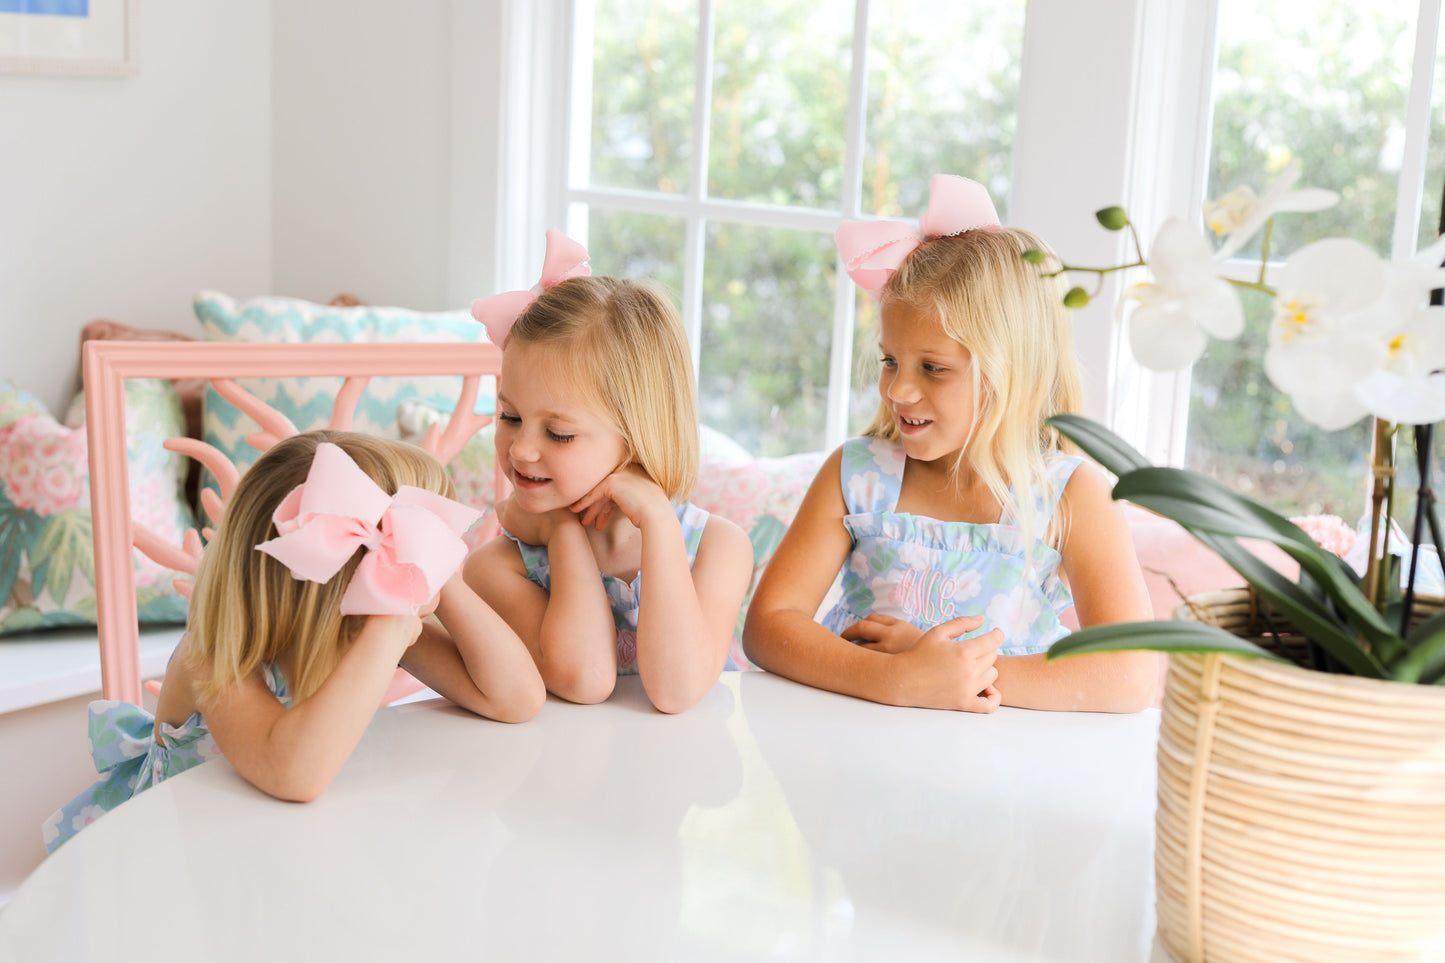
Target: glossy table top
(770, 821)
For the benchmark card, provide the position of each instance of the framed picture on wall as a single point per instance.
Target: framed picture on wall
(94, 38)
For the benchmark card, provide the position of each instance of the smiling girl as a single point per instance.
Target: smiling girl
(962, 529)
(606, 569)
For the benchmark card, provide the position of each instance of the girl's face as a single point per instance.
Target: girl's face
(552, 446)
(926, 381)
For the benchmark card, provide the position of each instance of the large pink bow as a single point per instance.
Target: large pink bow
(413, 540)
(872, 250)
(565, 259)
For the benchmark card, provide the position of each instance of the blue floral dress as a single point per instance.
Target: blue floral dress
(622, 596)
(926, 571)
(130, 758)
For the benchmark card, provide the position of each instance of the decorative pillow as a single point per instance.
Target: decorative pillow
(307, 402)
(762, 496)
(47, 565)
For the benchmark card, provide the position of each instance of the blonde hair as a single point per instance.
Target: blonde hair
(247, 608)
(1014, 324)
(628, 353)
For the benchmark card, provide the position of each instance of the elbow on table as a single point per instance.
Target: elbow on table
(521, 704)
(583, 684)
(296, 785)
(1136, 686)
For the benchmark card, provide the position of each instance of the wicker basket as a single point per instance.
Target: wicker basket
(1301, 814)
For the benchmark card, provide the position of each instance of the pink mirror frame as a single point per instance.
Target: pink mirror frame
(107, 364)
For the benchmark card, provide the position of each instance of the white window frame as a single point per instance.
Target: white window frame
(1078, 148)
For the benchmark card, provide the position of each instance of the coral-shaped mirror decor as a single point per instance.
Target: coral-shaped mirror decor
(106, 366)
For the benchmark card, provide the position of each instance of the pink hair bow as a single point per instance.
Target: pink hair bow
(413, 539)
(565, 259)
(872, 250)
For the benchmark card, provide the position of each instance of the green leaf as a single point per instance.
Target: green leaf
(64, 540)
(17, 531)
(1200, 503)
(1292, 602)
(1033, 256)
(1156, 637)
(1425, 662)
(1076, 298)
(1113, 218)
(1099, 443)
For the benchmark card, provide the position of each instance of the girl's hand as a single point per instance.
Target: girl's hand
(627, 490)
(945, 672)
(884, 633)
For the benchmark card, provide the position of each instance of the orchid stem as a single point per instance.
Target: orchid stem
(1065, 269)
(1259, 286)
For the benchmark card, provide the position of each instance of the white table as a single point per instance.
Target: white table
(770, 821)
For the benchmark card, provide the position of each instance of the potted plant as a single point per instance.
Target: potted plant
(1302, 742)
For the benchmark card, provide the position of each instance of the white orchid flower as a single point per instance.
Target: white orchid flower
(1185, 296)
(1319, 349)
(1351, 336)
(1407, 389)
(1239, 215)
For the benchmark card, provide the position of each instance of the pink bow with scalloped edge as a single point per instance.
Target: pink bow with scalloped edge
(413, 540)
(565, 259)
(872, 250)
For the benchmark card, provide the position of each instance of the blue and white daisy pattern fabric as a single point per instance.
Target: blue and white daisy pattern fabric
(623, 597)
(131, 758)
(926, 571)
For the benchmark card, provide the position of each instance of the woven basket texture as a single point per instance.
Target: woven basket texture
(1301, 814)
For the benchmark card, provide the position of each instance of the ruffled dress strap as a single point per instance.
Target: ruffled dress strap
(871, 473)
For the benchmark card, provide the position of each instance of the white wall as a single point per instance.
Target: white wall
(384, 150)
(123, 197)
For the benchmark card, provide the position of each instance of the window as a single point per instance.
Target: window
(1347, 89)
(715, 146)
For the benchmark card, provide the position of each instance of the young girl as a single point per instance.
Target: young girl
(957, 514)
(333, 549)
(606, 568)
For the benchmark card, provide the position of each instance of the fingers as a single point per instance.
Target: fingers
(861, 630)
(988, 700)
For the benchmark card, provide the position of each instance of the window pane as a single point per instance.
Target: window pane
(1325, 81)
(942, 99)
(863, 396)
(643, 93)
(766, 330)
(632, 245)
(1244, 432)
(1435, 155)
(780, 101)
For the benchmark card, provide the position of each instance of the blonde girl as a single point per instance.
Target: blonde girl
(334, 549)
(963, 529)
(607, 569)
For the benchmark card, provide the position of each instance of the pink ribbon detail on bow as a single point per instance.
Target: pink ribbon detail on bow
(565, 259)
(872, 250)
(413, 540)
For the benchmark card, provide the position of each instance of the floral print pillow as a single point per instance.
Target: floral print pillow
(47, 565)
(761, 495)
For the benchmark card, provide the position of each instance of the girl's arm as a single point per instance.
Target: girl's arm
(294, 754)
(475, 659)
(781, 635)
(568, 631)
(686, 614)
(1103, 572)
